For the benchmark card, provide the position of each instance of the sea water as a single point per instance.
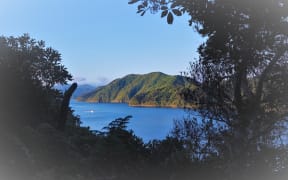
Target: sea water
(147, 122)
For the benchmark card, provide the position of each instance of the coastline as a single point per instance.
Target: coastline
(144, 105)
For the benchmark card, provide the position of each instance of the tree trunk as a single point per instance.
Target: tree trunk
(65, 106)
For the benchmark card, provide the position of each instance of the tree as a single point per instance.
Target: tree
(241, 71)
(28, 71)
(65, 106)
(34, 60)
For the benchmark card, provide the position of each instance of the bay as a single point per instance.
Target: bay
(147, 122)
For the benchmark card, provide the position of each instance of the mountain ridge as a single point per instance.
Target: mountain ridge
(81, 89)
(154, 89)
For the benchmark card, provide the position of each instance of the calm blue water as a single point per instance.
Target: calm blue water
(147, 123)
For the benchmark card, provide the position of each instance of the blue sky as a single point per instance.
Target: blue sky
(102, 40)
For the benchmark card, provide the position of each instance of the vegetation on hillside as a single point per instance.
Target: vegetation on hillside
(28, 71)
(153, 89)
(35, 146)
(241, 94)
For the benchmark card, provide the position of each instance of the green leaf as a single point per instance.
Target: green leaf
(170, 18)
(177, 12)
(164, 13)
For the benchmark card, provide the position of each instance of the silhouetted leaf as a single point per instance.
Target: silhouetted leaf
(164, 8)
(140, 11)
(133, 1)
(163, 2)
(140, 7)
(142, 14)
(170, 18)
(177, 12)
(173, 6)
(164, 13)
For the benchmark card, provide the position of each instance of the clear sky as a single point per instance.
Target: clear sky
(101, 40)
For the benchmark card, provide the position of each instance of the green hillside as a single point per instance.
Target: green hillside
(153, 89)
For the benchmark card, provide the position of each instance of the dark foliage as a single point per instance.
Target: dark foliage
(242, 85)
(241, 97)
(65, 106)
(28, 71)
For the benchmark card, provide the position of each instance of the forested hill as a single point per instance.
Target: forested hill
(153, 89)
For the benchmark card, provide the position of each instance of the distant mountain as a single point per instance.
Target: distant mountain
(153, 89)
(81, 89)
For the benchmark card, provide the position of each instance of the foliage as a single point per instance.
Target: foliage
(35, 61)
(168, 8)
(122, 142)
(241, 74)
(29, 109)
(28, 71)
(241, 94)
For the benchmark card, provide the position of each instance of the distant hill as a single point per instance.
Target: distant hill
(81, 89)
(153, 89)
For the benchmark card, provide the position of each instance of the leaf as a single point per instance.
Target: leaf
(142, 14)
(164, 13)
(173, 5)
(140, 7)
(170, 18)
(140, 11)
(133, 1)
(164, 8)
(177, 12)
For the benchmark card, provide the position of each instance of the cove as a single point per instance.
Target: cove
(147, 122)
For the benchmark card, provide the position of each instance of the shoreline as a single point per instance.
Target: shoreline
(142, 105)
